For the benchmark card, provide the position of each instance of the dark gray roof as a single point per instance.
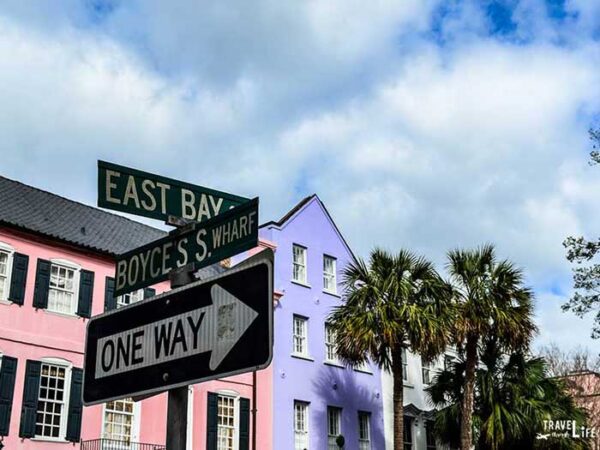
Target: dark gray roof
(287, 216)
(48, 214)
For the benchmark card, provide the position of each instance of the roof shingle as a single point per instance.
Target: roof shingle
(42, 212)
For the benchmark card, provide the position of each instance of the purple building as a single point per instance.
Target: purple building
(316, 398)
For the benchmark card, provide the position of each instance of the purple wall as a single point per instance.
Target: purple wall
(314, 381)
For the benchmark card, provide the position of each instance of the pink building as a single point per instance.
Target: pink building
(56, 264)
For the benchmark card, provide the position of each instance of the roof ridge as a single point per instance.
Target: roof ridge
(94, 208)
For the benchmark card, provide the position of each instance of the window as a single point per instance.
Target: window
(330, 354)
(334, 425)
(131, 297)
(408, 433)
(364, 430)
(448, 361)
(404, 365)
(430, 436)
(299, 268)
(62, 294)
(5, 269)
(329, 281)
(118, 420)
(52, 409)
(226, 429)
(429, 371)
(300, 425)
(334, 419)
(300, 332)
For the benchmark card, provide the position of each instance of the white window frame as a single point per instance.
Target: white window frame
(10, 251)
(135, 425)
(332, 276)
(299, 434)
(76, 268)
(330, 345)
(364, 443)
(134, 296)
(335, 413)
(428, 371)
(303, 339)
(303, 264)
(236, 415)
(64, 415)
(405, 372)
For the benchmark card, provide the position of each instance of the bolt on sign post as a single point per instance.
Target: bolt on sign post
(205, 330)
(144, 194)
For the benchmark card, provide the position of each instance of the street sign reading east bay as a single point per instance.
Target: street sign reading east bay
(205, 330)
(145, 194)
(221, 237)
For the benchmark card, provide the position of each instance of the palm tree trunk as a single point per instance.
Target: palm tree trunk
(466, 423)
(398, 399)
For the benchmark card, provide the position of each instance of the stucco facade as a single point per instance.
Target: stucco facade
(418, 411)
(308, 378)
(337, 400)
(42, 336)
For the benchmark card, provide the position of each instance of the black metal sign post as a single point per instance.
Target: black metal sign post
(177, 401)
(200, 330)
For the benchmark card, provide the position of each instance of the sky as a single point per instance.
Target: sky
(421, 124)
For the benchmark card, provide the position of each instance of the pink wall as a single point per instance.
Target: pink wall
(27, 333)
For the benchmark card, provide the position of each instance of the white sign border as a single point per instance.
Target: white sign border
(265, 256)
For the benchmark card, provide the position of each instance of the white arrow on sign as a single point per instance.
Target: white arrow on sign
(215, 328)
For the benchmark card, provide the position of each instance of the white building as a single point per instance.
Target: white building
(418, 411)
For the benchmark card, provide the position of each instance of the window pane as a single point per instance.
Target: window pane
(299, 335)
(300, 425)
(329, 281)
(226, 430)
(118, 420)
(62, 289)
(299, 264)
(51, 408)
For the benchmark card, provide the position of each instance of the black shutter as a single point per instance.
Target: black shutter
(86, 291)
(7, 388)
(18, 278)
(149, 292)
(244, 424)
(75, 406)
(30, 398)
(110, 301)
(211, 425)
(42, 284)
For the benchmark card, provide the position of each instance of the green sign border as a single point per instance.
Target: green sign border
(227, 251)
(103, 165)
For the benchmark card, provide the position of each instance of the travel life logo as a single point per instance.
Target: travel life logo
(567, 428)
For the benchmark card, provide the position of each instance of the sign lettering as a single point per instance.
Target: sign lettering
(212, 241)
(133, 191)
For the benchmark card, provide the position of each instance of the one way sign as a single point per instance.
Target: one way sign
(205, 330)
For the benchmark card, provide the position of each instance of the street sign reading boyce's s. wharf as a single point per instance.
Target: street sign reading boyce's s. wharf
(221, 237)
(145, 194)
(206, 330)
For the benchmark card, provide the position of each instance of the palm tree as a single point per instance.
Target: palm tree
(490, 299)
(514, 395)
(396, 302)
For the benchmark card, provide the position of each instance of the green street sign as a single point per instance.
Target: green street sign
(145, 194)
(200, 244)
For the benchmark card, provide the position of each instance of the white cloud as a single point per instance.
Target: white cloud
(408, 142)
